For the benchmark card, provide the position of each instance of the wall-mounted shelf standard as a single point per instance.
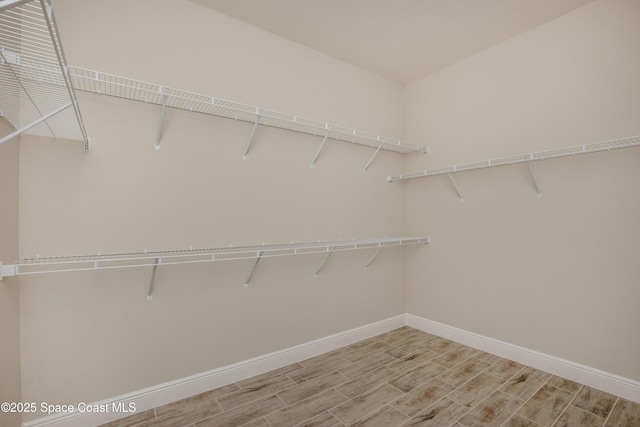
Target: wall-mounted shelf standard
(35, 87)
(123, 87)
(613, 144)
(48, 265)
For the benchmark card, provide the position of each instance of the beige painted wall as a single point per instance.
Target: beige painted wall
(9, 295)
(558, 274)
(89, 336)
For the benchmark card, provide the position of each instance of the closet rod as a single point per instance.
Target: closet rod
(45, 265)
(595, 147)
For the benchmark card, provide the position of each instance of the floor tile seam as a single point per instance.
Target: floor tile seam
(187, 407)
(372, 412)
(478, 373)
(341, 394)
(514, 376)
(368, 355)
(337, 356)
(524, 402)
(423, 383)
(471, 408)
(269, 413)
(335, 406)
(395, 371)
(497, 388)
(274, 393)
(404, 413)
(248, 403)
(593, 413)
(333, 387)
(459, 362)
(308, 419)
(427, 408)
(528, 419)
(569, 404)
(606, 420)
(555, 420)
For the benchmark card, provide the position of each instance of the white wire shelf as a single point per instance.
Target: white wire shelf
(91, 262)
(613, 144)
(124, 87)
(36, 94)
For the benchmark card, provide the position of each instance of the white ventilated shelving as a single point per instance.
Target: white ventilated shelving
(36, 93)
(91, 262)
(38, 90)
(123, 87)
(575, 150)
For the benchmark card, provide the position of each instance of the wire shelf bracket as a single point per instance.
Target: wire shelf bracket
(455, 187)
(533, 178)
(123, 87)
(153, 279)
(324, 140)
(253, 132)
(253, 269)
(324, 261)
(147, 259)
(164, 107)
(529, 158)
(34, 77)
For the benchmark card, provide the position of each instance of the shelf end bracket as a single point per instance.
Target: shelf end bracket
(8, 270)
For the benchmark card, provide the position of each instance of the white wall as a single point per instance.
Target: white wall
(89, 336)
(557, 274)
(9, 296)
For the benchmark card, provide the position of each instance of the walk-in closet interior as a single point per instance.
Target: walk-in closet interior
(196, 192)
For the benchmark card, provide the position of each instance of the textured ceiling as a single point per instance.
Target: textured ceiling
(402, 40)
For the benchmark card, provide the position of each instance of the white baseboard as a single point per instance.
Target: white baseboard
(605, 381)
(175, 390)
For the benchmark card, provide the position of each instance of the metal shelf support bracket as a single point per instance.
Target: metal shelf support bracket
(373, 257)
(37, 122)
(535, 182)
(165, 97)
(326, 135)
(374, 155)
(153, 278)
(455, 186)
(253, 132)
(324, 261)
(253, 269)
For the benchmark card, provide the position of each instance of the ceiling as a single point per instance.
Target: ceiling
(402, 40)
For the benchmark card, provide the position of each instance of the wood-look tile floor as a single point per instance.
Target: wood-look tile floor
(401, 378)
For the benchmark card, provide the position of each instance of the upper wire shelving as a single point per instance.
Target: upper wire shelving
(595, 147)
(123, 87)
(35, 88)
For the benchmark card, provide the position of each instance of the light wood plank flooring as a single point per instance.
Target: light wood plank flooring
(401, 378)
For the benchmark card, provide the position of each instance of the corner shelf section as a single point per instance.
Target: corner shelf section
(35, 87)
(47, 265)
(123, 87)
